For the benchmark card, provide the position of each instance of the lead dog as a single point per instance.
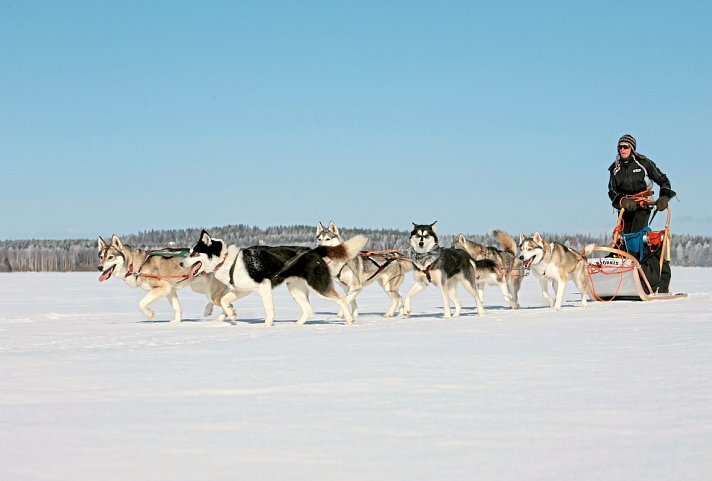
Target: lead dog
(551, 261)
(261, 268)
(507, 272)
(443, 266)
(359, 272)
(161, 274)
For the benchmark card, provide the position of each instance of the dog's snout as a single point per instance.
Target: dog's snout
(100, 268)
(521, 258)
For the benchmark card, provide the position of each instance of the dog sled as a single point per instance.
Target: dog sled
(635, 266)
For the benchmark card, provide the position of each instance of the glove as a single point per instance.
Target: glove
(662, 202)
(629, 204)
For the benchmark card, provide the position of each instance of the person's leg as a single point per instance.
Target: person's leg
(635, 221)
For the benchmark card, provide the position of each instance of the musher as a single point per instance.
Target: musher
(631, 180)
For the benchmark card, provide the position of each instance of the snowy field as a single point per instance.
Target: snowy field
(92, 391)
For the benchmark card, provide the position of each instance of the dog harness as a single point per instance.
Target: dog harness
(424, 262)
(165, 253)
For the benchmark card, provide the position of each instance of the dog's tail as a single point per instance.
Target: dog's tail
(587, 250)
(505, 240)
(345, 251)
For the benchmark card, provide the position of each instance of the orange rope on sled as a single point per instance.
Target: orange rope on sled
(643, 199)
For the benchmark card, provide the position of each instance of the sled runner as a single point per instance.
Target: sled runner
(636, 266)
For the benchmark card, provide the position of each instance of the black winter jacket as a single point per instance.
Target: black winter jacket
(633, 175)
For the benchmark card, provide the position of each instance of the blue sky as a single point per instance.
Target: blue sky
(126, 116)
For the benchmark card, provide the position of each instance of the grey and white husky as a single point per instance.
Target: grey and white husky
(261, 268)
(551, 261)
(507, 272)
(159, 272)
(443, 266)
(388, 269)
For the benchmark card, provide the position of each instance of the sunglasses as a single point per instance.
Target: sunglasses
(623, 147)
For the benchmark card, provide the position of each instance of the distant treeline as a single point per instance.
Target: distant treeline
(81, 254)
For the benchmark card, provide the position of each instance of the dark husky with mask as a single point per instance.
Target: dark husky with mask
(443, 266)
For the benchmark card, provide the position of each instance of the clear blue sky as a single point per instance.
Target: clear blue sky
(117, 117)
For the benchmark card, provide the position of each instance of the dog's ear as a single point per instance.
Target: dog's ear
(101, 244)
(537, 238)
(432, 226)
(116, 242)
(333, 229)
(521, 237)
(205, 238)
(461, 239)
(319, 228)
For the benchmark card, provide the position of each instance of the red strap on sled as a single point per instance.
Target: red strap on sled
(656, 238)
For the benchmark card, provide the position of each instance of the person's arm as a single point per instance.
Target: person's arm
(657, 176)
(613, 193)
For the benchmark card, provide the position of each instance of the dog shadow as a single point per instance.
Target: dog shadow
(170, 321)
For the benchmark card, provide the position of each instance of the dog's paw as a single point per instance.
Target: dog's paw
(149, 314)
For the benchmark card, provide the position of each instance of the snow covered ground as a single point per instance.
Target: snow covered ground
(92, 391)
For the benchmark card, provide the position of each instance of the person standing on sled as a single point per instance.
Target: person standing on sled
(632, 175)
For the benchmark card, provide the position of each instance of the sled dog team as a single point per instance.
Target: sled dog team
(225, 273)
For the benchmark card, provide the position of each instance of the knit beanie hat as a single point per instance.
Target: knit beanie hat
(628, 139)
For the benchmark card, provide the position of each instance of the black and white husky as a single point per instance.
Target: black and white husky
(261, 268)
(443, 266)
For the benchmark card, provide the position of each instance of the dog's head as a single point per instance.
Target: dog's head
(205, 256)
(423, 237)
(328, 237)
(460, 242)
(531, 249)
(112, 257)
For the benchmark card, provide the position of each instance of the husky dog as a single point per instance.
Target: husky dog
(443, 267)
(507, 272)
(388, 269)
(550, 261)
(261, 268)
(160, 273)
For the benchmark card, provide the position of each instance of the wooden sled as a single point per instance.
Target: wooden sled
(616, 274)
(620, 277)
